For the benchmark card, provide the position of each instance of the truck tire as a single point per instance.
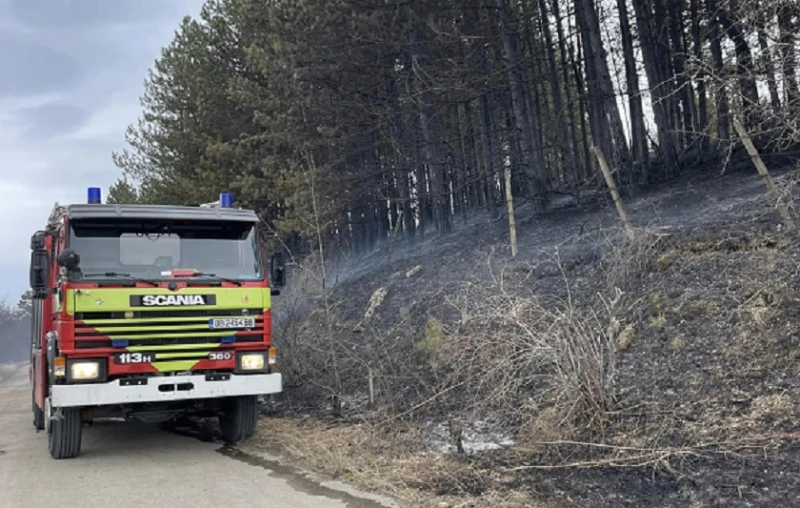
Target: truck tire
(238, 421)
(65, 433)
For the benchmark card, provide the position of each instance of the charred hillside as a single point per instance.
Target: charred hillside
(609, 370)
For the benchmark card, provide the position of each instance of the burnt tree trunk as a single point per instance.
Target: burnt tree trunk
(659, 82)
(603, 89)
(638, 129)
(723, 109)
(788, 24)
(566, 154)
(702, 97)
(744, 67)
(578, 172)
(767, 62)
(682, 81)
(531, 155)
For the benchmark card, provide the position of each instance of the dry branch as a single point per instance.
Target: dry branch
(638, 457)
(614, 192)
(783, 210)
(512, 225)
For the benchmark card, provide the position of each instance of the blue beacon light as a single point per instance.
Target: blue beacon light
(94, 196)
(226, 200)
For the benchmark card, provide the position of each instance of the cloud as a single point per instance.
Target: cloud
(92, 14)
(32, 68)
(51, 120)
(72, 77)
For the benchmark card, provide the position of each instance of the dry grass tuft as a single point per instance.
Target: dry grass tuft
(776, 409)
(546, 425)
(625, 338)
(677, 343)
(367, 456)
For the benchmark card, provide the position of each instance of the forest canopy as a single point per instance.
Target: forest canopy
(346, 122)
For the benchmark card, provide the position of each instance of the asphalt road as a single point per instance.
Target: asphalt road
(134, 465)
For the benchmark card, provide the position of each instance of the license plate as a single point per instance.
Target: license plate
(232, 323)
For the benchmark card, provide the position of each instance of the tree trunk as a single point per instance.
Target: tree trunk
(476, 193)
(422, 191)
(723, 109)
(702, 98)
(783, 209)
(596, 58)
(683, 83)
(638, 129)
(745, 70)
(488, 150)
(664, 55)
(612, 186)
(566, 154)
(532, 157)
(582, 100)
(659, 86)
(536, 96)
(512, 223)
(402, 155)
(438, 184)
(788, 24)
(767, 64)
(439, 191)
(578, 172)
(461, 182)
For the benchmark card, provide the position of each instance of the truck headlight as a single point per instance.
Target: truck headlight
(252, 361)
(84, 370)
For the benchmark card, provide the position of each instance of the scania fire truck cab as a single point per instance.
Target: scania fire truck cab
(150, 312)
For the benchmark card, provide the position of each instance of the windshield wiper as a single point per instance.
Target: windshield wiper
(215, 276)
(122, 276)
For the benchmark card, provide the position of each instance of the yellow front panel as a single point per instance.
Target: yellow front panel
(175, 333)
(118, 299)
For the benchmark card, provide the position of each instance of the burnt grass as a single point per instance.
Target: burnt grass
(707, 385)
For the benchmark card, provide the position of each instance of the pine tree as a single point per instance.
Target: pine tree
(122, 192)
(356, 122)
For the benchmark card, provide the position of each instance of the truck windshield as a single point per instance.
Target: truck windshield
(162, 250)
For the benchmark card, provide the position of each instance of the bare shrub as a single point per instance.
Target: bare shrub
(337, 347)
(628, 260)
(518, 353)
(786, 187)
(304, 327)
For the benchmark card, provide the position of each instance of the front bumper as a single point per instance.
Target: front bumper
(164, 389)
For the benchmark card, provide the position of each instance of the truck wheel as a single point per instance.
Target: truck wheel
(64, 434)
(238, 421)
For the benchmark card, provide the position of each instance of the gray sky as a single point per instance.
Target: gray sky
(71, 73)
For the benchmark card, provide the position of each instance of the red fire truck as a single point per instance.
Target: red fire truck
(150, 312)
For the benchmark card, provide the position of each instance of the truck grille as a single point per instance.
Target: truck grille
(150, 314)
(162, 328)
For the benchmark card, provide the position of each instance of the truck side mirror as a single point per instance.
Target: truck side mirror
(277, 270)
(40, 266)
(37, 240)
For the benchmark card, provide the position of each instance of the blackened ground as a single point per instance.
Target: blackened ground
(708, 381)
